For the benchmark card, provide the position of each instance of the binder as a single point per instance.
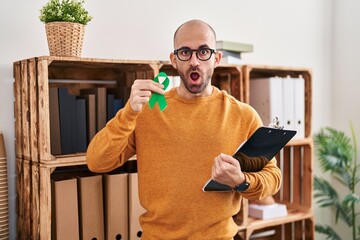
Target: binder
(118, 104)
(110, 107)
(90, 116)
(66, 224)
(54, 121)
(91, 207)
(81, 126)
(256, 152)
(266, 97)
(116, 206)
(299, 96)
(66, 138)
(100, 105)
(288, 103)
(135, 209)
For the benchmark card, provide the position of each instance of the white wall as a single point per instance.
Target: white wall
(346, 65)
(346, 79)
(290, 33)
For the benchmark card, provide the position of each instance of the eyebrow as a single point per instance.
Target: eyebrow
(201, 46)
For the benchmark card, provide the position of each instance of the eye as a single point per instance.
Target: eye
(203, 51)
(185, 52)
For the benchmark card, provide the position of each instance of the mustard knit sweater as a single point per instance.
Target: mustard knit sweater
(175, 152)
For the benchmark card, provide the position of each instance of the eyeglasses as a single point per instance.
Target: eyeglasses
(203, 54)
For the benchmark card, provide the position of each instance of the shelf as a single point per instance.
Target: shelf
(69, 160)
(293, 216)
(264, 71)
(36, 163)
(300, 142)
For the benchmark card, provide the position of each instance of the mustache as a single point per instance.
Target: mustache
(194, 68)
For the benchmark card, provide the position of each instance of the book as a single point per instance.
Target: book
(256, 152)
(90, 116)
(230, 60)
(233, 46)
(270, 211)
(67, 116)
(81, 127)
(110, 107)
(100, 105)
(54, 121)
(118, 104)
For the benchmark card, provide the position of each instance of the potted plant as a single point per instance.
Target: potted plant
(337, 154)
(65, 22)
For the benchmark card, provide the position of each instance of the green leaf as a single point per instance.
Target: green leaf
(333, 149)
(65, 11)
(324, 193)
(328, 231)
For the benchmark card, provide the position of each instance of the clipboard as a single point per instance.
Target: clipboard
(256, 152)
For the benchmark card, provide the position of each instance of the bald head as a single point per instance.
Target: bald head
(194, 26)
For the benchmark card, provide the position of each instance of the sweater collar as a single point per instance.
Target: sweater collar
(173, 94)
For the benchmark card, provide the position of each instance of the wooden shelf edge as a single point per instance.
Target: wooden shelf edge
(293, 216)
(277, 68)
(299, 142)
(68, 160)
(65, 160)
(87, 59)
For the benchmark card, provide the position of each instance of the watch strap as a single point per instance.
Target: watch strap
(242, 186)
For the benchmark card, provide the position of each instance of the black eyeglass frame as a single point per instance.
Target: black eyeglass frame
(176, 51)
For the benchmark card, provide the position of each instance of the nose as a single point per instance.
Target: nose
(194, 61)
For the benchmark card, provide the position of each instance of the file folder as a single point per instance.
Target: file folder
(135, 209)
(266, 97)
(299, 96)
(288, 103)
(116, 206)
(66, 209)
(91, 207)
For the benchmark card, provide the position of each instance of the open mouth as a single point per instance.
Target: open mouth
(194, 76)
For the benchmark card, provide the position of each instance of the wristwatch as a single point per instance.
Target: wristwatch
(242, 186)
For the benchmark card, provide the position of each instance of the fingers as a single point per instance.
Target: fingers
(226, 169)
(141, 91)
(224, 160)
(220, 167)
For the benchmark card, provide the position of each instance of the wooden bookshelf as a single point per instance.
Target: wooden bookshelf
(35, 161)
(296, 163)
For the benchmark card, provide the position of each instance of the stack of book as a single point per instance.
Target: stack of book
(75, 118)
(231, 51)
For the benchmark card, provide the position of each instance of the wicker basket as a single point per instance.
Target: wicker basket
(65, 38)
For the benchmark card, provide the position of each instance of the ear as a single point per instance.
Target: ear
(218, 57)
(173, 60)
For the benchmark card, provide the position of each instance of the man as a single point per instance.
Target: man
(180, 148)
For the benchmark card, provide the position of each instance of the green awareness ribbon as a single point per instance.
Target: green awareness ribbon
(156, 97)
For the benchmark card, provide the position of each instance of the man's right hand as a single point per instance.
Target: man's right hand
(141, 91)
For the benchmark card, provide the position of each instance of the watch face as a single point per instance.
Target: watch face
(242, 187)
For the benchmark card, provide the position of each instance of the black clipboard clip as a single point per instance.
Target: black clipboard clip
(276, 124)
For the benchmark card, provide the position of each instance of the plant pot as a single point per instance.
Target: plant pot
(65, 38)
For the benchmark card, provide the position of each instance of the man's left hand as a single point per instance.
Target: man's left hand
(227, 170)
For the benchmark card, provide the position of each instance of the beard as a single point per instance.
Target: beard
(200, 83)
